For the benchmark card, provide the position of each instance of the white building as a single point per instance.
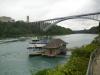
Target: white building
(6, 19)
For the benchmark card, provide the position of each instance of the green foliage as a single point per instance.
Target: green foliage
(43, 72)
(91, 47)
(76, 66)
(58, 30)
(14, 29)
(84, 51)
(94, 30)
(79, 59)
(78, 52)
(8, 29)
(50, 72)
(91, 30)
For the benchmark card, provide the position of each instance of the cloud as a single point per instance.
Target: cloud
(77, 24)
(45, 9)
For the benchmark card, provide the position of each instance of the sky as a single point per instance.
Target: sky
(47, 9)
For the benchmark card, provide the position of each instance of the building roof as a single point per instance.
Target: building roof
(55, 43)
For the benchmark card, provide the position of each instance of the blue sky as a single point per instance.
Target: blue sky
(45, 9)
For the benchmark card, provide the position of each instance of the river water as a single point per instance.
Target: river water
(14, 58)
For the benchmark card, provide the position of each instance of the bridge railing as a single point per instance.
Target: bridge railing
(92, 61)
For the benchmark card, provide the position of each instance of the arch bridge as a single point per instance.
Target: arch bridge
(46, 24)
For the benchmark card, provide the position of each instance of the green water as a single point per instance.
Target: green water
(14, 58)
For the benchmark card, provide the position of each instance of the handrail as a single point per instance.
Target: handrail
(91, 61)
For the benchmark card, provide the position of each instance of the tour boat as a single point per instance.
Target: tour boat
(36, 46)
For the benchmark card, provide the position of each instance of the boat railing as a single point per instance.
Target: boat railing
(92, 61)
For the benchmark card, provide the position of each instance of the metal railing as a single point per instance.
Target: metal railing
(92, 60)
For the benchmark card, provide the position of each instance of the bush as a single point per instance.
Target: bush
(78, 52)
(76, 66)
(50, 72)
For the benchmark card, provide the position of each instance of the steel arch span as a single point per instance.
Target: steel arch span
(46, 24)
